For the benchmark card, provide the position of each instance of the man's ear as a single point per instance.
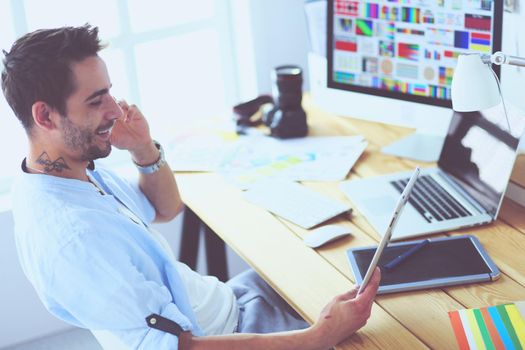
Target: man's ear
(43, 115)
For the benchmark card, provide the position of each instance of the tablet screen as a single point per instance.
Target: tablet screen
(438, 259)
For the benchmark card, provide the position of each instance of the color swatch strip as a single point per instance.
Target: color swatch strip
(495, 327)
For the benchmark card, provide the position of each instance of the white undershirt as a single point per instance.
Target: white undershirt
(212, 301)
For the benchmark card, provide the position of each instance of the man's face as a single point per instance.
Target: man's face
(90, 112)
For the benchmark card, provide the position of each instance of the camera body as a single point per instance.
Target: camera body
(286, 117)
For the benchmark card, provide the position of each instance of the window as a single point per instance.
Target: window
(173, 58)
(12, 136)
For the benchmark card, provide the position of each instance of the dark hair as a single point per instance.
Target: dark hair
(38, 68)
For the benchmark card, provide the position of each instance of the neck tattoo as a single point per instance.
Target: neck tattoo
(49, 165)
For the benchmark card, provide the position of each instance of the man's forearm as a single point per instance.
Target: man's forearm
(162, 191)
(160, 187)
(307, 339)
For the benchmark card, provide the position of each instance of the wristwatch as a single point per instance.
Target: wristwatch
(153, 168)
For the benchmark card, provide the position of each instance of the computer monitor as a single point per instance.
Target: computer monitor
(393, 60)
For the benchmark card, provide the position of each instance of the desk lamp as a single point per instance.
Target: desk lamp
(475, 86)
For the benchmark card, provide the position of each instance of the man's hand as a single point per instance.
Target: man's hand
(131, 132)
(346, 313)
(341, 318)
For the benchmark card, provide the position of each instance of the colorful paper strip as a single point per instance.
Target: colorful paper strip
(508, 325)
(517, 322)
(483, 329)
(459, 330)
(501, 327)
(494, 335)
(476, 332)
(496, 327)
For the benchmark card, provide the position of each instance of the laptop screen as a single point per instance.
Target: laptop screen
(479, 152)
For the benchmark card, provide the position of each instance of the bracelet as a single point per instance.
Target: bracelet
(153, 168)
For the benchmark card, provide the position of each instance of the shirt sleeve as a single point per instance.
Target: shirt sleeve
(96, 285)
(147, 209)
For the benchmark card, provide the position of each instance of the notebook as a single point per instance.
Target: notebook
(294, 202)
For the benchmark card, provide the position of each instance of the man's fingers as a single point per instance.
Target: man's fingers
(123, 103)
(349, 295)
(371, 288)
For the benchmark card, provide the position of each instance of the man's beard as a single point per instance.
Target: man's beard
(83, 140)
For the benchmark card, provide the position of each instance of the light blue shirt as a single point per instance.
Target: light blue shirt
(91, 265)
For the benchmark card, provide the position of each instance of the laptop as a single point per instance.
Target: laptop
(466, 188)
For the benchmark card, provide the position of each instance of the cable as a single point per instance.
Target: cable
(501, 96)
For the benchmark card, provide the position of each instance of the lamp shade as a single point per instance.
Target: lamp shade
(474, 86)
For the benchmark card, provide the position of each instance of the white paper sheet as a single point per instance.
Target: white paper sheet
(304, 159)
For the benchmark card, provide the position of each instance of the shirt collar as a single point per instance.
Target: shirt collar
(91, 166)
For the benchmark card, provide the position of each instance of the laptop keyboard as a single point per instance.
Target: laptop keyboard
(431, 200)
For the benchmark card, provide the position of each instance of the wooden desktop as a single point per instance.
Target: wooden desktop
(309, 278)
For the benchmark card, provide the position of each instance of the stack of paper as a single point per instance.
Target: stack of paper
(305, 159)
(494, 327)
(248, 159)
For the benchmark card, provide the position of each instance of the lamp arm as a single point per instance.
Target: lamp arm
(499, 58)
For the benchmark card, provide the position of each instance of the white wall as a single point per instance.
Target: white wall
(513, 78)
(279, 37)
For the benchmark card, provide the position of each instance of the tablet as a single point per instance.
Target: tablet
(442, 262)
(401, 202)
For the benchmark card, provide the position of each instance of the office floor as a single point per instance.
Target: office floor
(74, 339)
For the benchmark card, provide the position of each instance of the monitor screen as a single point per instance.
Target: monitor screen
(407, 49)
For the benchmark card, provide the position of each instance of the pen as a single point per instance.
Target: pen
(400, 258)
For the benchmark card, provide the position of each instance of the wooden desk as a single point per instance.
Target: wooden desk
(309, 278)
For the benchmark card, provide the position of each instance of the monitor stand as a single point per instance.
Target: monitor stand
(431, 122)
(421, 146)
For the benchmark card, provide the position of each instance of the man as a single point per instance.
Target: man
(83, 234)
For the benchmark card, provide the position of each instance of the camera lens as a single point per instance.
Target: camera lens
(287, 87)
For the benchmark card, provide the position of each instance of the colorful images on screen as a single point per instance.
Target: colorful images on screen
(408, 46)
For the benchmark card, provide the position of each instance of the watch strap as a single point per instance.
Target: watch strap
(153, 168)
